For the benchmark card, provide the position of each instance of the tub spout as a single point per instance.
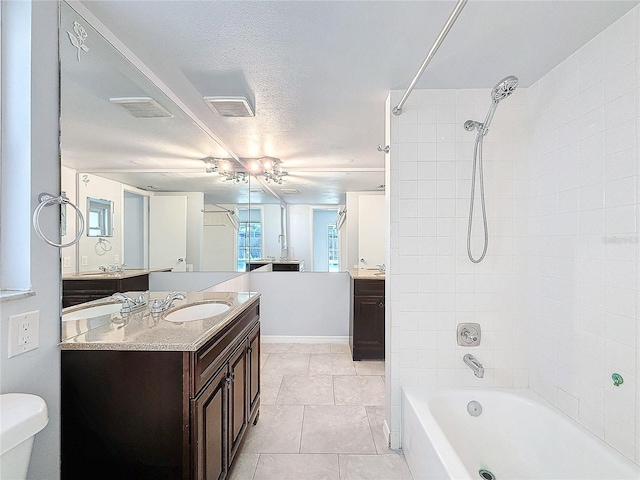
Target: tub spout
(474, 364)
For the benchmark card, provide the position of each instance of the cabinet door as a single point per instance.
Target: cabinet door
(210, 429)
(238, 414)
(368, 321)
(254, 369)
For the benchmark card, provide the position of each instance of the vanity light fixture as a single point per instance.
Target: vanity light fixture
(225, 168)
(270, 168)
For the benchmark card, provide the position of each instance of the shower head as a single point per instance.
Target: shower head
(504, 88)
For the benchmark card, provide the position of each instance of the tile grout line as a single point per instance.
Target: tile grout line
(304, 410)
(255, 469)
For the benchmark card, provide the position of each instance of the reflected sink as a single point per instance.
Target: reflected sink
(197, 312)
(92, 312)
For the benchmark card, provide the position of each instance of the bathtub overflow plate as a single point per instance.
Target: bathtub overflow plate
(474, 408)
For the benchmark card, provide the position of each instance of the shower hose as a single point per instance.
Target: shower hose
(477, 165)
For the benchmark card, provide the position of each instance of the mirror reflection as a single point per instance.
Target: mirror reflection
(99, 217)
(175, 199)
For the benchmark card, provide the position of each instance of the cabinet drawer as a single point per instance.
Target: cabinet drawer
(368, 287)
(207, 360)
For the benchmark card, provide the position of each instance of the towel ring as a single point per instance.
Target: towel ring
(105, 246)
(47, 200)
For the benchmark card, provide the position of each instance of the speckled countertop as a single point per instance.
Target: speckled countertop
(108, 276)
(365, 274)
(143, 331)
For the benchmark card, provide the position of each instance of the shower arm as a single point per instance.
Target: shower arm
(397, 110)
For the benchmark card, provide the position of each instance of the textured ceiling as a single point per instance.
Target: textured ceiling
(319, 72)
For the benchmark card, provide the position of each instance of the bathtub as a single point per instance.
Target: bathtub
(517, 436)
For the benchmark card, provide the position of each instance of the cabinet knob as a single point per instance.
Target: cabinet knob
(249, 349)
(381, 305)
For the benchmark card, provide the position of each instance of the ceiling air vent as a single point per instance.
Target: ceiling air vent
(142, 107)
(235, 106)
(290, 191)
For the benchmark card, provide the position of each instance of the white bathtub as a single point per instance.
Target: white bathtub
(517, 436)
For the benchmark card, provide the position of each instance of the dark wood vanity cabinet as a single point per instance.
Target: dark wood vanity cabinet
(161, 414)
(75, 292)
(366, 328)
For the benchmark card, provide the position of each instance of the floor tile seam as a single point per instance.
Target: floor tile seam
(279, 388)
(304, 411)
(255, 469)
(375, 446)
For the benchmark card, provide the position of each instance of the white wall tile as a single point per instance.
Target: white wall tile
(557, 295)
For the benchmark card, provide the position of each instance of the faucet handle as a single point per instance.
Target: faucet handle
(156, 306)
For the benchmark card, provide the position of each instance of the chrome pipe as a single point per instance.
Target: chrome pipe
(397, 110)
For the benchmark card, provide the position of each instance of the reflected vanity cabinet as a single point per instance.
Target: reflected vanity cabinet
(366, 326)
(75, 292)
(161, 414)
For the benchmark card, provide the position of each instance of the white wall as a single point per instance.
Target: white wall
(195, 225)
(349, 233)
(188, 281)
(579, 212)
(303, 304)
(38, 371)
(557, 295)
(219, 240)
(371, 230)
(299, 241)
(270, 230)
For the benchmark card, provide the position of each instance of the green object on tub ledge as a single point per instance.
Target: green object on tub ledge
(617, 379)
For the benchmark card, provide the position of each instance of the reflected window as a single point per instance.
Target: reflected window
(332, 248)
(249, 236)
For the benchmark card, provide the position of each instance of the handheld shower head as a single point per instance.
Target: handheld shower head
(504, 88)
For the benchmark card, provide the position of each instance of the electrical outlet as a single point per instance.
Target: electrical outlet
(66, 262)
(116, 258)
(84, 260)
(24, 332)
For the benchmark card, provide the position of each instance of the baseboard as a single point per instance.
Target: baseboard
(387, 432)
(306, 339)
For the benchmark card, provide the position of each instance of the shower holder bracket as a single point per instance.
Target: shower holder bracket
(469, 334)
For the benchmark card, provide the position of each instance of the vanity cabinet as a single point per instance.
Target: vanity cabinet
(75, 292)
(366, 328)
(161, 414)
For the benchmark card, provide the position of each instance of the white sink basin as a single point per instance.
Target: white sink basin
(197, 312)
(92, 312)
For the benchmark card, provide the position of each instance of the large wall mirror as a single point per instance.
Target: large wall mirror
(139, 164)
(178, 199)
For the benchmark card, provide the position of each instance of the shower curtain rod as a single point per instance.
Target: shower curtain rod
(397, 110)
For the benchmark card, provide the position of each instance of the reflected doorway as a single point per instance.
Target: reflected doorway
(134, 229)
(325, 240)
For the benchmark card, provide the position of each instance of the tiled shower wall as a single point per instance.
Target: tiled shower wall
(557, 294)
(433, 285)
(580, 251)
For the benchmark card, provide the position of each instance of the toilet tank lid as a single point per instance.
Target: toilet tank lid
(22, 415)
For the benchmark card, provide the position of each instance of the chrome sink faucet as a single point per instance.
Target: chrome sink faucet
(130, 304)
(474, 364)
(159, 306)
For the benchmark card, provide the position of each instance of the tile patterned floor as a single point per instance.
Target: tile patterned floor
(321, 418)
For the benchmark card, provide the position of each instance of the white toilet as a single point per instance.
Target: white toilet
(21, 417)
